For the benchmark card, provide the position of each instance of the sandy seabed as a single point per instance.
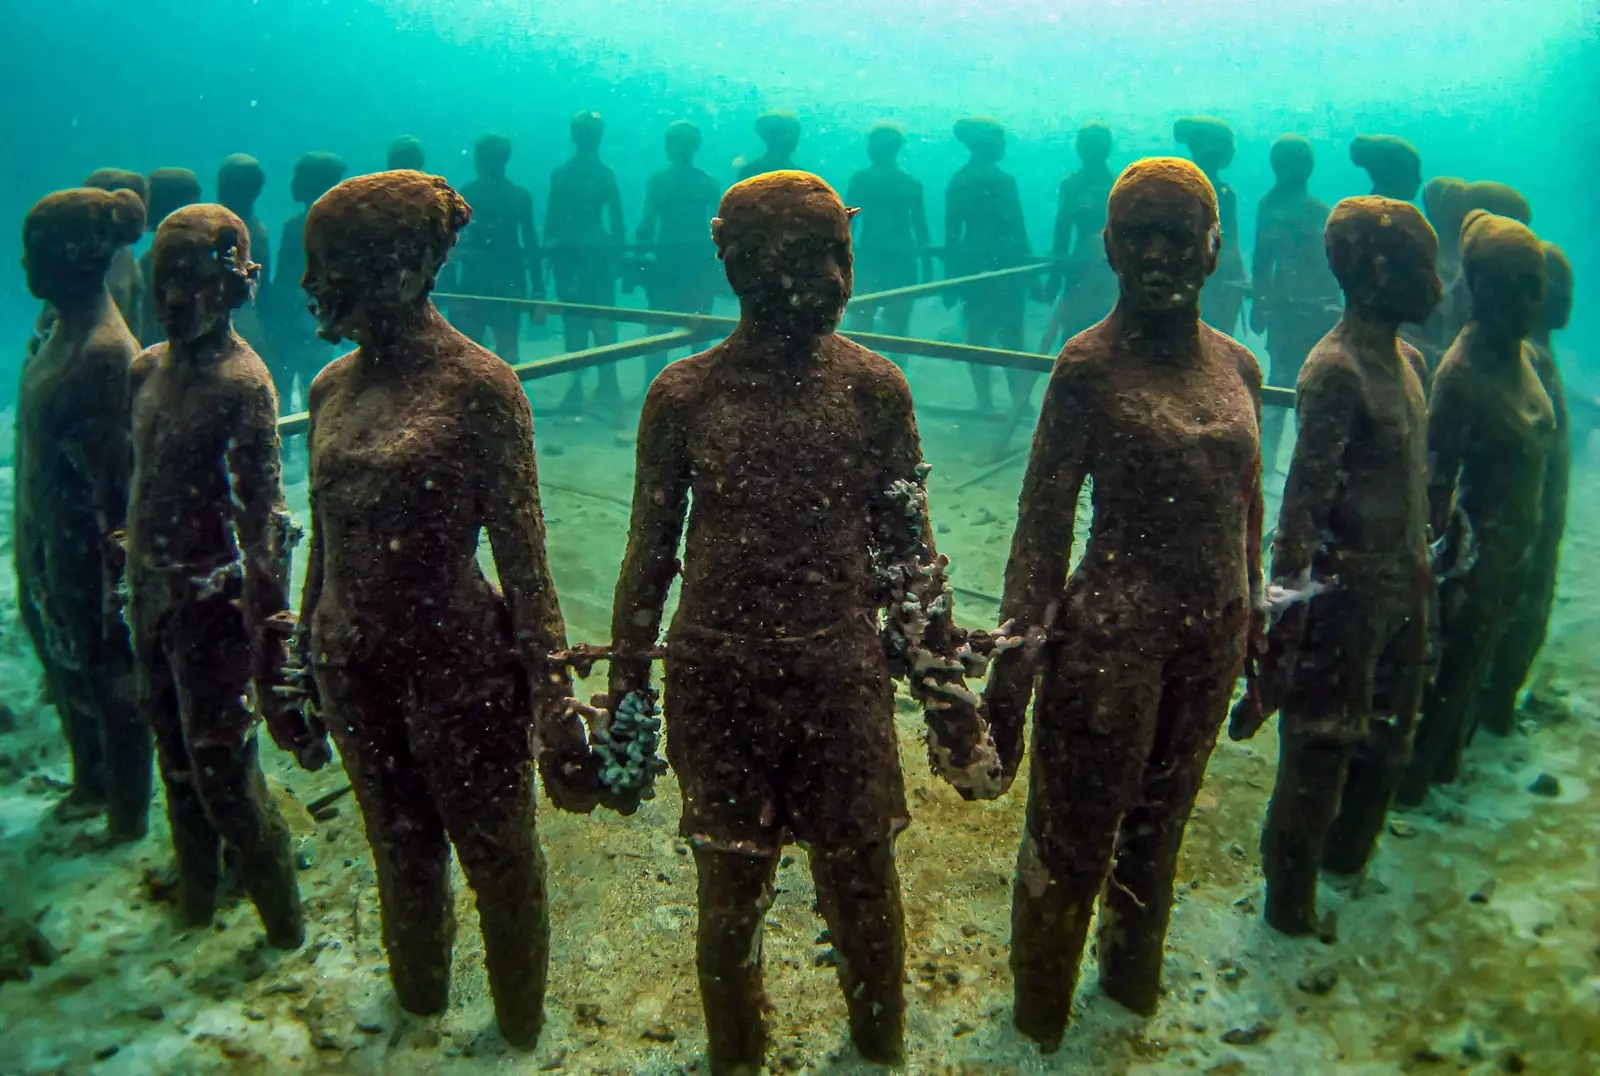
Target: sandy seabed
(1470, 945)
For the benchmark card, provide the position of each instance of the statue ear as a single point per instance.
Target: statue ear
(716, 230)
(851, 211)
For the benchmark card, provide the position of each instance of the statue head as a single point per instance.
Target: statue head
(491, 155)
(1504, 265)
(1393, 163)
(1094, 143)
(119, 179)
(374, 246)
(884, 143)
(1209, 141)
(69, 238)
(1557, 289)
(405, 153)
(983, 136)
(779, 131)
(587, 130)
(683, 142)
(202, 270)
(1385, 256)
(1292, 160)
(170, 189)
(239, 182)
(314, 175)
(784, 241)
(1162, 237)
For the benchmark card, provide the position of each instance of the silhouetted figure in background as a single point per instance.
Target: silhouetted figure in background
(1491, 427)
(1394, 165)
(1346, 661)
(891, 232)
(295, 351)
(583, 235)
(1454, 206)
(170, 190)
(405, 153)
(1140, 646)
(1496, 706)
(240, 181)
(499, 254)
(984, 231)
(73, 462)
(1296, 297)
(1085, 283)
(780, 133)
(421, 441)
(209, 541)
(1210, 143)
(680, 274)
(794, 455)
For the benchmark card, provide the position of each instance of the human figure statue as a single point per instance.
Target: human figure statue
(583, 234)
(1138, 649)
(1444, 203)
(984, 231)
(1394, 165)
(799, 453)
(170, 190)
(1491, 427)
(1296, 297)
(1210, 143)
(420, 440)
(240, 180)
(1086, 286)
(780, 133)
(405, 154)
(1453, 207)
(1346, 658)
(891, 232)
(123, 278)
(1496, 706)
(499, 257)
(209, 541)
(296, 353)
(679, 201)
(72, 463)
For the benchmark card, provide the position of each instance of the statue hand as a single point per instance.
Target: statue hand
(568, 769)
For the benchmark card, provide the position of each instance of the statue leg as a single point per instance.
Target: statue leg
(1008, 335)
(475, 745)
(1094, 724)
(1137, 904)
(127, 748)
(210, 657)
(858, 892)
(977, 313)
(363, 710)
(1495, 707)
(734, 895)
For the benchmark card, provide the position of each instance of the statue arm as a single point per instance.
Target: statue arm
(1449, 428)
(1325, 412)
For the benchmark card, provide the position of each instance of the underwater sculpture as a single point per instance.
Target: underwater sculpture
(295, 350)
(1296, 297)
(1490, 429)
(240, 180)
(1452, 202)
(72, 466)
(1496, 706)
(583, 252)
(1346, 655)
(124, 279)
(679, 202)
(1139, 648)
(418, 440)
(809, 515)
(780, 133)
(1085, 283)
(891, 231)
(208, 547)
(170, 189)
(984, 231)
(1210, 143)
(405, 154)
(499, 255)
(1393, 164)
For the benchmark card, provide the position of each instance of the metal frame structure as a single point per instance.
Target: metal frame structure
(691, 330)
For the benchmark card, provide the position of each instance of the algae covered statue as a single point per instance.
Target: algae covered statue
(434, 684)
(1296, 297)
(1393, 164)
(208, 573)
(1210, 143)
(1346, 657)
(499, 255)
(1086, 285)
(124, 278)
(780, 132)
(73, 462)
(1491, 427)
(801, 455)
(170, 190)
(1521, 639)
(583, 235)
(296, 352)
(891, 241)
(1138, 649)
(984, 231)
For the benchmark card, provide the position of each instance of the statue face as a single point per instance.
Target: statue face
(798, 277)
(191, 294)
(1408, 284)
(1162, 250)
(336, 296)
(1508, 296)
